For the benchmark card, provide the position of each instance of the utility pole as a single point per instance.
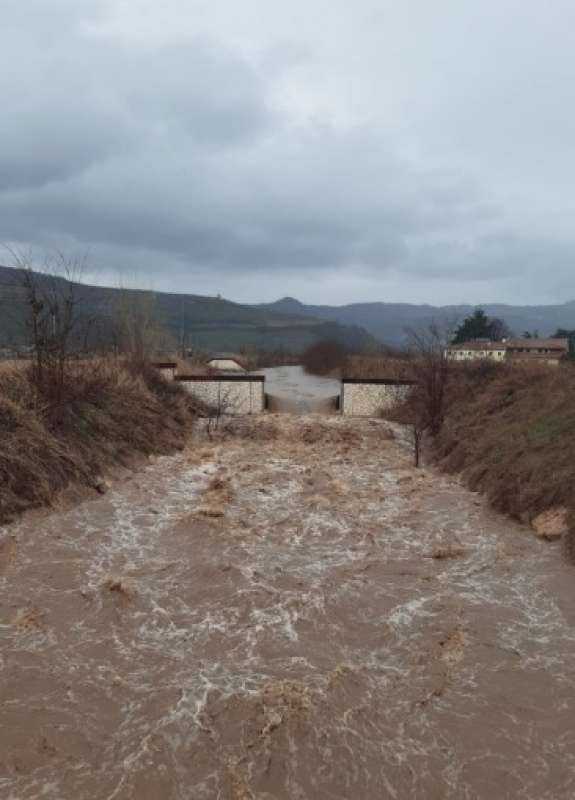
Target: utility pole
(183, 330)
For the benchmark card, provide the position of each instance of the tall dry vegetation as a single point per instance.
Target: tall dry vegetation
(112, 412)
(135, 330)
(378, 365)
(60, 330)
(510, 429)
(68, 414)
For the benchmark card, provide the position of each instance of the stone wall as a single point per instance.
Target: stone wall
(369, 397)
(237, 394)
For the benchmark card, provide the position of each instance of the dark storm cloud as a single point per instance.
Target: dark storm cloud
(68, 108)
(298, 201)
(179, 152)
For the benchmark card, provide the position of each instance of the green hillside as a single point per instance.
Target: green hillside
(208, 323)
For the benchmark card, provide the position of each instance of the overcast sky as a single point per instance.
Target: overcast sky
(331, 150)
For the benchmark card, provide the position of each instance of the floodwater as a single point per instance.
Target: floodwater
(297, 391)
(288, 610)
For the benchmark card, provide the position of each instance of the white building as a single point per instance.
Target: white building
(546, 351)
(470, 351)
(227, 362)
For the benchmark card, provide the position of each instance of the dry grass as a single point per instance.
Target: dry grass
(111, 413)
(511, 431)
(378, 366)
(10, 364)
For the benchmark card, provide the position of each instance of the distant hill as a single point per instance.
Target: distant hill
(212, 323)
(208, 323)
(387, 322)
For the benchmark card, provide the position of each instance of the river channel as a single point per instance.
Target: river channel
(287, 610)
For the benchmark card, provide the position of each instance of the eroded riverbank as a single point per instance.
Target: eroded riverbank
(288, 611)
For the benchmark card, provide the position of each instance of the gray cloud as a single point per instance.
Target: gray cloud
(263, 162)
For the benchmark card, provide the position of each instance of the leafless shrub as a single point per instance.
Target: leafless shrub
(224, 405)
(424, 406)
(137, 331)
(431, 371)
(278, 357)
(52, 319)
(324, 357)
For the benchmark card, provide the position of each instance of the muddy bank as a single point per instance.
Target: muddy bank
(290, 612)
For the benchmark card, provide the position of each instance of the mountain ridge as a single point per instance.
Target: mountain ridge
(388, 322)
(215, 323)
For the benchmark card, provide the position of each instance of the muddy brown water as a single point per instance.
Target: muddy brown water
(287, 611)
(292, 390)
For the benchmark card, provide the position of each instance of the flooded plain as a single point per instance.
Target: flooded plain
(288, 610)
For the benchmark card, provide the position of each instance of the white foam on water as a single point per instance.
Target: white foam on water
(318, 607)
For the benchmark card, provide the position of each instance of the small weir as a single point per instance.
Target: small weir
(291, 390)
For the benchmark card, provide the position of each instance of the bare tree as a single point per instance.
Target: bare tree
(431, 369)
(499, 329)
(196, 353)
(323, 357)
(249, 356)
(51, 303)
(417, 431)
(225, 404)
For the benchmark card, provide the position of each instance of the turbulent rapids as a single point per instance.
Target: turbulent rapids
(286, 610)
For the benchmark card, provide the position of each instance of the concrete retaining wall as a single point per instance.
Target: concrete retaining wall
(230, 394)
(369, 397)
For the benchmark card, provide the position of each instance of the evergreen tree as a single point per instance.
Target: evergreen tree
(479, 326)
